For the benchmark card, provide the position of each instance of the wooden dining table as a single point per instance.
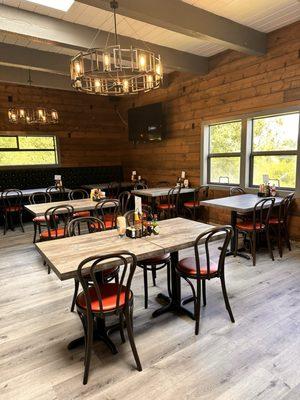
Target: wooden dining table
(29, 192)
(155, 192)
(64, 255)
(39, 210)
(243, 203)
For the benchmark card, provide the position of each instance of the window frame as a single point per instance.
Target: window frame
(18, 134)
(246, 148)
(271, 152)
(222, 155)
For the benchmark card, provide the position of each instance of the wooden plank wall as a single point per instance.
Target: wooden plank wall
(236, 84)
(88, 132)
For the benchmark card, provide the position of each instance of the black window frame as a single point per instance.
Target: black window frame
(272, 152)
(18, 149)
(222, 155)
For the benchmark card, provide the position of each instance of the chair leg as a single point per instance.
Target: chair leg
(279, 240)
(5, 224)
(121, 322)
(49, 270)
(287, 238)
(198, 307)
(228, 308)
(253, 246)
(21, 221)
(145, 286)
(88, 348)
(204, 292)
(153, 271)
(169, 278)
(76, 283)
(128, 318)
(236, 241)
(35, 232)
(269, 244)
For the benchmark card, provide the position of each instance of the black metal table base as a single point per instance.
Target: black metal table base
(98, 336)
(238, 253)
(171, 306)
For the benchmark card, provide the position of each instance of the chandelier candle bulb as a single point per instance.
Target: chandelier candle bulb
(97, 86)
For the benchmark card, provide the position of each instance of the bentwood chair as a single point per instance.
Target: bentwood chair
(201, 268)
(113, 190)
(151, 264)
(236, 190)
(170, 209)
(200, 193)
(39, 222)
(257, 226)
(107, 211)
(57, 219)
(279, 222)
(124, 198)
(56, 193)
(79, 194)
(140, 186)
(12, 208)
(101, 300)
(86, 225)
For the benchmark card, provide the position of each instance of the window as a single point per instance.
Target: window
(274, 150)
(27, 150)
(224, 155)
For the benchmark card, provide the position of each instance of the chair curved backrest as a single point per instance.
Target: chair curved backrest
(123, 198)
(78, 194)
(201, 193)
(236, 190)
(107, 211)
(126, 262)
(51, 215)
(140, 186)
(12, 198)
(39, 198)
(262, 212)
(284, 207)
(113, 189)
(56, 192)
(209, 236)
(173, 198)
(129, 215)
(93, 224)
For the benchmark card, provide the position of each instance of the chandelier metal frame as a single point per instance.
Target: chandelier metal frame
(116, 71)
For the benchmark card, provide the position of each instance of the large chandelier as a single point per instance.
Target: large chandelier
(29, 116)
(114, 71)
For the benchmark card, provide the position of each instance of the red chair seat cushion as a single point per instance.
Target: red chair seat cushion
(109, 294)
(274, 221)
(42, 219)
(188, 266)
(54, 233)
(191, 204)
(165, 206)
(248, 226)
(13, 209)
(157, 260)
(82, 214)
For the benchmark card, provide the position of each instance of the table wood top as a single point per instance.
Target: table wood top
(106, 185)
(240, 203)
(79, 205)
(29, 192)
(64, 255)
(157, 192)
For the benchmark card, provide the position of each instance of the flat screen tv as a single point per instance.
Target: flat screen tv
(146, 124)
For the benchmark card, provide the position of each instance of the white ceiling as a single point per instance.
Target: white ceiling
(263, 15)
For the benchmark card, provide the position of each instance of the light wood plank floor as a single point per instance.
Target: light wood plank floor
(258, 357)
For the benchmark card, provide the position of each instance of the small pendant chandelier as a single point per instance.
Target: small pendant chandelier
(31, 116)
(114, 71)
